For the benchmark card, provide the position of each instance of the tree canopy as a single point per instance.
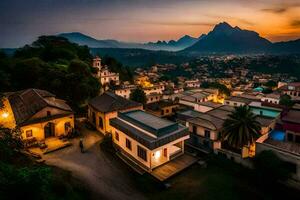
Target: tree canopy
(241, 128)
(138, 95)
(53, 64)
(286, 100)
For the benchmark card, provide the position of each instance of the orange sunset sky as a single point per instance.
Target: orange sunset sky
(144, 21)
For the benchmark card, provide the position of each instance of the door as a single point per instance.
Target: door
(49, 130)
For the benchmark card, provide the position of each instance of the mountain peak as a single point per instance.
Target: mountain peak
(223, 25)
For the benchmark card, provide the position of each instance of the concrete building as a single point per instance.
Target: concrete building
(147, 140)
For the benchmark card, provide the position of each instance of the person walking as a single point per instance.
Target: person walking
(81, 145)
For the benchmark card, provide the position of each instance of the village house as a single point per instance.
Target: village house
(193, 97)
(103, 74)
(106, 106)
(237, 101)
(192, 83)
(271, 98)
(162, 108)
(291, 89)
(124, 90)
(147, 140)
(38, 114)
(284, 140)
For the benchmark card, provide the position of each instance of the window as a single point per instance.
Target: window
(100, 122)
(128, 144)
(235, 104)
(207, 133)
(117, 136)
(165, 152)
(29, 133)
(48, 113)
(167, 110)
(142, 153)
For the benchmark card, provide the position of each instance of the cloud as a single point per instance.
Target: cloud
(275, 10)
(295, 23)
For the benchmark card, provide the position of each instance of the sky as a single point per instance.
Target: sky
(22, 21)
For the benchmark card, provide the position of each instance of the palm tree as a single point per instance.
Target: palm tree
(241, 128)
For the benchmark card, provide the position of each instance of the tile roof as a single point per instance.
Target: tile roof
(109, 102)
(28, 102)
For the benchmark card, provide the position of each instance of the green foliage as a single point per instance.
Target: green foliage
(267, 91)
(241, 128)
(124, 72)
(270, 168)
(286, 100)
(271, 84)
(10, 143)
(138, 95)
(54, 64)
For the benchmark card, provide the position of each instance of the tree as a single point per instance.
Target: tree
(138, 95)
(270, 168)
(241, 128)
(271, 84)
(10, 143)
(286, 100)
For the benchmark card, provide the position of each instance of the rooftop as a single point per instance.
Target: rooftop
(26, 103)
(109, 102)
(148, 129)
(159, 105)
(292, 116)
(239, 99)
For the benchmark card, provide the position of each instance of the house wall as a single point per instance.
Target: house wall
(105, 117)
(233, 103)
(38, 128)
(202, 108)
(149, 164)
(200, 131)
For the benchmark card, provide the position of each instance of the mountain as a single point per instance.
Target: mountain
(82, 39)
(287, 47)
(227, 39)
(171, 45)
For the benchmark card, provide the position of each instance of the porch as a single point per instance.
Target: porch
(49, 145)
(173, 167)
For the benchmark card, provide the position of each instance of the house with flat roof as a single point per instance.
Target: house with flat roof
(38, 114)
(147, 140)
(237, 101)
(162, 108)
(106, 106)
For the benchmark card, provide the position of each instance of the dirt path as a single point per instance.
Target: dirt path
(105, 177)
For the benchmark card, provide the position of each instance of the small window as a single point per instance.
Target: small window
(117, 136)
(29, 133)
(142, 153)
(128, 144)
(207, 133)
(48, 113)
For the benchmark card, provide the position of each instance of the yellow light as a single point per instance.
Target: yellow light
(5, 115)
(157, 154)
